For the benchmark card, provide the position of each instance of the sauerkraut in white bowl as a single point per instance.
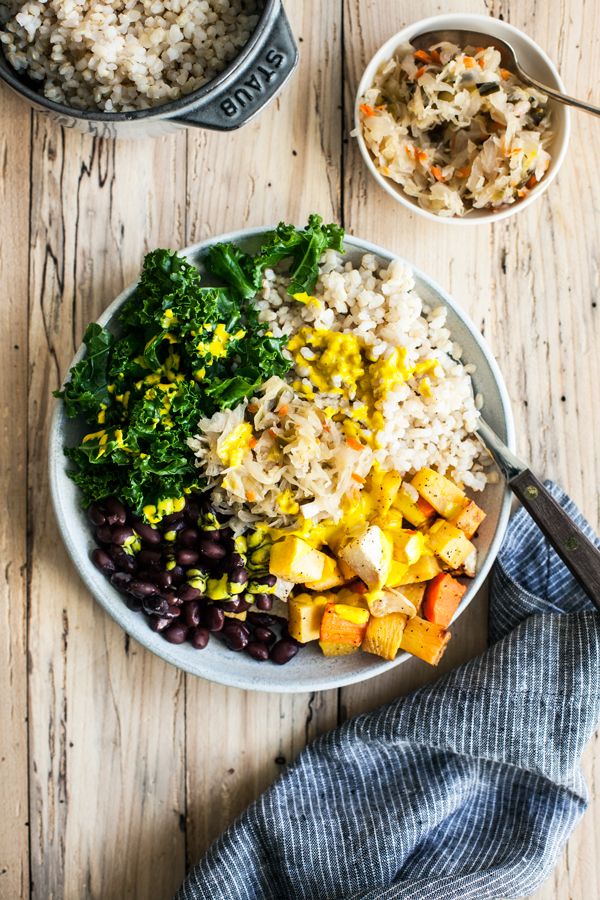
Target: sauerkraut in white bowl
(451, 133)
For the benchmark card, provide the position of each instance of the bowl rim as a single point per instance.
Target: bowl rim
(395, 190)
(136, 627)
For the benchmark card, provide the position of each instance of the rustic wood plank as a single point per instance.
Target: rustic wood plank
(14, 201)
(107, 724)
(531, 285)
(283, 166)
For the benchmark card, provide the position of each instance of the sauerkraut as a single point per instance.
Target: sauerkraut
(455, 129)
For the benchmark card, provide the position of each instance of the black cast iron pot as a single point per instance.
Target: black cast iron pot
(237, 94)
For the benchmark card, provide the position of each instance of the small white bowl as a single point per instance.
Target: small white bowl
(533, 59)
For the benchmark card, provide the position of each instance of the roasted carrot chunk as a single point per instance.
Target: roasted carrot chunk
(442, 598)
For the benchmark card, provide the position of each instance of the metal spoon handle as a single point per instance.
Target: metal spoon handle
(558, 95)
(577, 552)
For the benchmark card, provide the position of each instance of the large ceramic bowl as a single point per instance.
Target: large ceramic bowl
(310, 670)
(533, 59)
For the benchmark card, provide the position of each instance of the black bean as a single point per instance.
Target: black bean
(95, 515)
(257, 651)
(288, 637)
(213, 618)
(235, 605)
(264, 602)
(141, 589)
(282, 652)
(103, 562)
(192, 511)
(150, 559)
(148, 534)
(187, 557)
(120, 534)
(167, 521)
(173, 528)
(159, 623)
(236, 561)
(187, 593)
(156, 606)
(269, 580)
(210, 549)
(198, 638)
(104, 534)
(126, 562)
(261, 619)
(264, 635)
(164, 580)
(188, 537)
(236, 636)
(133, 604)
(120, 580)
(176, 633)
(238, 575)
(116, 514)
(191, 613)
(178, 575)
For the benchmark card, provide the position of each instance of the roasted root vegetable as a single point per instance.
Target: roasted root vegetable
(330, 578)
(425, 640)
(383, 490)
(383, 635)
(469, 519)
(389, 600)
(442, 598)
(414, 593)
(342, 628)
(449, 544)
(446, 499)
(305, 612)
(415, 510)
(295, 560)
(408, 546)
(369, 554)
(426, 568)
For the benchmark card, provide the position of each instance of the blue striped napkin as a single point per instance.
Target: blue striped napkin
(467, 788)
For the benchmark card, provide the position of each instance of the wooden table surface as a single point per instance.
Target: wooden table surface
(118, 770)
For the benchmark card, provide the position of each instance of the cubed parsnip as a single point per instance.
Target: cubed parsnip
(424, 569)
(384, 487)
(305, 612)
(416, 511)
(347, 573)
(342, 628)
(331, 577)
(440, 492)
(469, 519)
(469, 567)
(295, 560)
(383, 635)
(414, 593)
(408, 546)
(425, 640)
(449, 543)
(369, 554)
(389, 600)
(397, 574)
(283, 589)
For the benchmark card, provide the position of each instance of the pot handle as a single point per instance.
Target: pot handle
(259, 77)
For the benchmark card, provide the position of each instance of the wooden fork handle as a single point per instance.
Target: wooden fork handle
(577, 552)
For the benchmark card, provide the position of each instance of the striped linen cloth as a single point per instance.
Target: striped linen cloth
(467, 788)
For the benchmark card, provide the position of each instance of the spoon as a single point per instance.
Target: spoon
(464, 38)
(577, 552)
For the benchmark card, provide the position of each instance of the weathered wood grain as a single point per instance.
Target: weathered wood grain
(284, 165)
(107, 727)
(14, 203)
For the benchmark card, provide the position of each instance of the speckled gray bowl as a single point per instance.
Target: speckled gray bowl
(310, 670)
